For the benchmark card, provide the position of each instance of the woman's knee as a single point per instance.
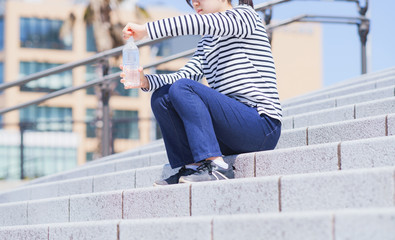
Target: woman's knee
(178, 87)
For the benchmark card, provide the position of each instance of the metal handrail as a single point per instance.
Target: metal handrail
(362, 22)
(67, 66)
(310, 18)
(267, 5)
(106, 78)
(266, 8)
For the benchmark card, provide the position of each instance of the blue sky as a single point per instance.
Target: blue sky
(341, 44)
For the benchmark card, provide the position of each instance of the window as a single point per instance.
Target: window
(10, 164)
(43, 33)
(90, 123)
(38, 162)
(90, 39)
(125, 124)
(46, 84)
(1, 33)
(42, 161)
(89, 156)
(47, 118)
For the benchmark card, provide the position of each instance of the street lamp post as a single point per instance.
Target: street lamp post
(362, 22)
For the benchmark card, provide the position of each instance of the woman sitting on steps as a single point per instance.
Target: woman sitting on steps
(239, 112)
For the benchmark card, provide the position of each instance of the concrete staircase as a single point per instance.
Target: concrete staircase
(332, 176)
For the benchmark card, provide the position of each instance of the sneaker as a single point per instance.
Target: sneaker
(209, 171)
(174, 179)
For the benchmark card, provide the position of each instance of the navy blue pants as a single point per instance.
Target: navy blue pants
(198, 122)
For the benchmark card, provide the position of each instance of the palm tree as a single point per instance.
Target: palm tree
(107, 33)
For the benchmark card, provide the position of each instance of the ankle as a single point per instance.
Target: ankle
(215, 159)
(219, 161)
(192, 166)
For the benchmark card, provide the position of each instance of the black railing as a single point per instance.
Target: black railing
(362, 22)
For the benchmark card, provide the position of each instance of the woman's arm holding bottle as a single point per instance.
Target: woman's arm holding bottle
(143, 79)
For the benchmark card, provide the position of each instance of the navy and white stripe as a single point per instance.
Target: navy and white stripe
(234, 55)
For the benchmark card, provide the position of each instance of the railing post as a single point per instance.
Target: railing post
(362, 10)
(363, 30)
(267, 13)
(105, 99)
(22, 128)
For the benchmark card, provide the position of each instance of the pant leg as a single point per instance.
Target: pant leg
(212, 120)
(172, 127)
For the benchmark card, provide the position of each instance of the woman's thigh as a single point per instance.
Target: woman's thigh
(238, 127)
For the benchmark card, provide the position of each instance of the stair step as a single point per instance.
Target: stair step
(362, 128)
(380, 79)
(104, 230)
(152, 147)
(133, 178)
(351, 224)
(108, 166)
(348, 100)
(365, 153)
(339, 114)
(338, 93)
(289, 139)
(332, 132)
(357, 188)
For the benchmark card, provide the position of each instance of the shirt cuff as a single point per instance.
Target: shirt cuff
(151, 80)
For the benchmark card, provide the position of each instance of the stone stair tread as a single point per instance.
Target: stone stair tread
(342, 113)
(361, 224)
(289, 138)
(352, 129)
(107, 166)
(156, 145)
(360, 80)
(332, 156)
(296, 121)
(361, 87)
(133, 153)
(335, 102)
(355, 188)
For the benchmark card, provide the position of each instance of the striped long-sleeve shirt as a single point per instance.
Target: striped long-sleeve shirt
(234, 55)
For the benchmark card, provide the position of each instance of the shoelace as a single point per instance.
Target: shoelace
(206, 165)
(182, 170)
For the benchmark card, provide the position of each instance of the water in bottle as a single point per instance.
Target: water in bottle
(130, 58)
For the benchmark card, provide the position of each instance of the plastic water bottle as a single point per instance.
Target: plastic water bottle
(130, 58)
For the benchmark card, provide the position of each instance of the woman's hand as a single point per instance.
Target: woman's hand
(143, 79)
(136, 31)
